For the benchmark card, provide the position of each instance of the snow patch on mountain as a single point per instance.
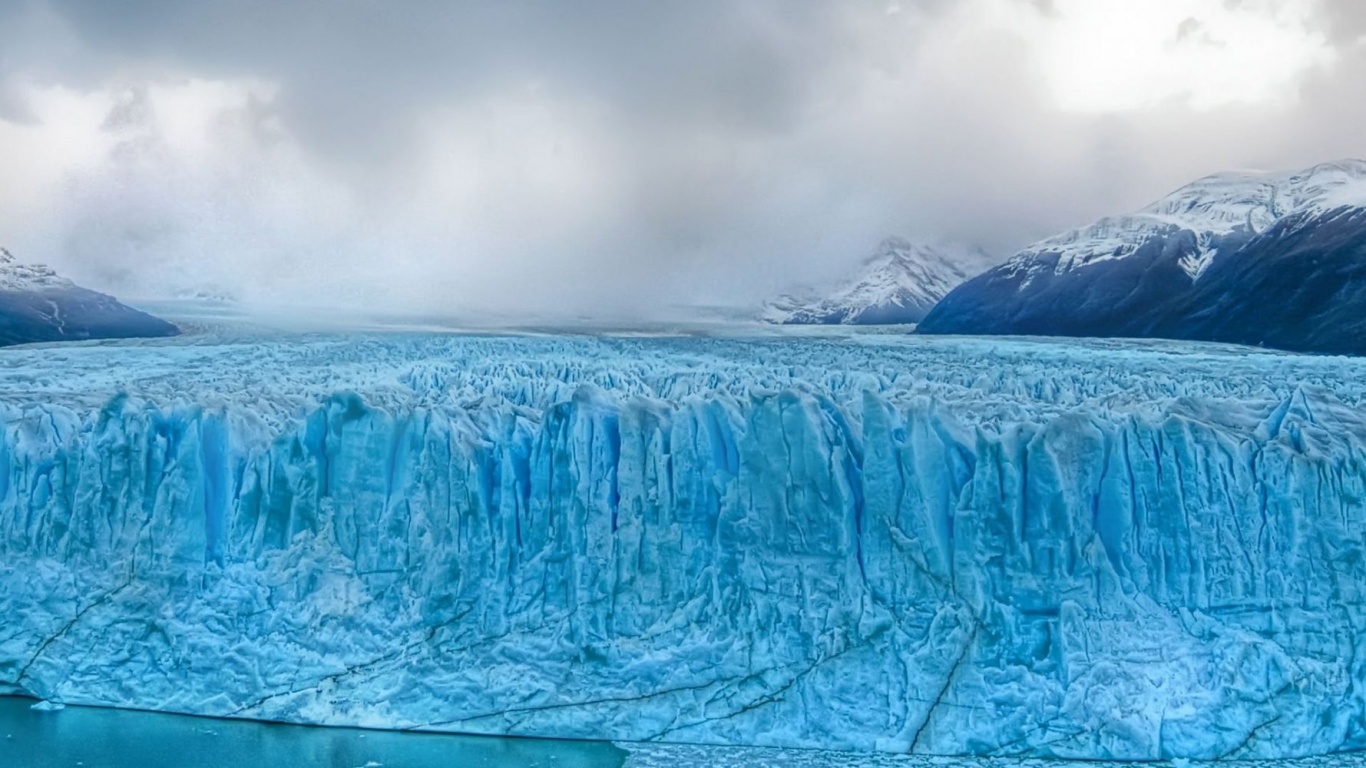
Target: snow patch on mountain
(1211, 208)
(15, 276)
(897, 284)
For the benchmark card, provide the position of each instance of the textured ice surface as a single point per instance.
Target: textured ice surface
(1087, 549)
(696, 756)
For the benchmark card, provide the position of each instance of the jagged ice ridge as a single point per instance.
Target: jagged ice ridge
(1087, 549)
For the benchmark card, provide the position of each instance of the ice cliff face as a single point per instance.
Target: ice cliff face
(1093, 550)
(897, 284)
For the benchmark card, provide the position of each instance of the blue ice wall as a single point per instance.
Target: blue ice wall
(943, 546)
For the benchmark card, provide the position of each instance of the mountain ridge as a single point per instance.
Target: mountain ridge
(1251, 244)
(39, 305)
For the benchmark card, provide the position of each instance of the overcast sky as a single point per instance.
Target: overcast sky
(618, 158)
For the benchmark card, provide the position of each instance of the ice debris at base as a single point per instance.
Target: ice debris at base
(695, 756)
(944, 545)
(47, 706)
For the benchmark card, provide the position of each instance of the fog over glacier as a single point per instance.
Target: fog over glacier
(615, 160)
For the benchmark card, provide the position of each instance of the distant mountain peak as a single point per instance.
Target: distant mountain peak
(897, 283)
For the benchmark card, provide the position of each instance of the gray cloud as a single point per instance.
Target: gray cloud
(1344, 20)
(1046, 7)
(595, 157)
(355, 71)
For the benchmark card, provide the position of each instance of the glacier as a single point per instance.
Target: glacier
(946, 545)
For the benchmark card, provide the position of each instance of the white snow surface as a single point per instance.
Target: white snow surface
(1088, 549)
(16, 276)
(900, 273)
(1210, 207)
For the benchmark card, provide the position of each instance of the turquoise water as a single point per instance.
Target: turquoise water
(84, 737)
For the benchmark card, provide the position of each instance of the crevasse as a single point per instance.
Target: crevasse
(949, 546)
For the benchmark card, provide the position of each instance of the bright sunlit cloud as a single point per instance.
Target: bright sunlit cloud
(1117, 55)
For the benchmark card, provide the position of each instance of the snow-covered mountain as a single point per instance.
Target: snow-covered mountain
(897, 284)
(1211, 208)
(1161, 270)
(37, 304)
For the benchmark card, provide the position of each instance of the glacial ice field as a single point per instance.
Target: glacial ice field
(880, 543)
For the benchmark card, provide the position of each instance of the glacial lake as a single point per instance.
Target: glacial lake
(91, 737)
(88, 737)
